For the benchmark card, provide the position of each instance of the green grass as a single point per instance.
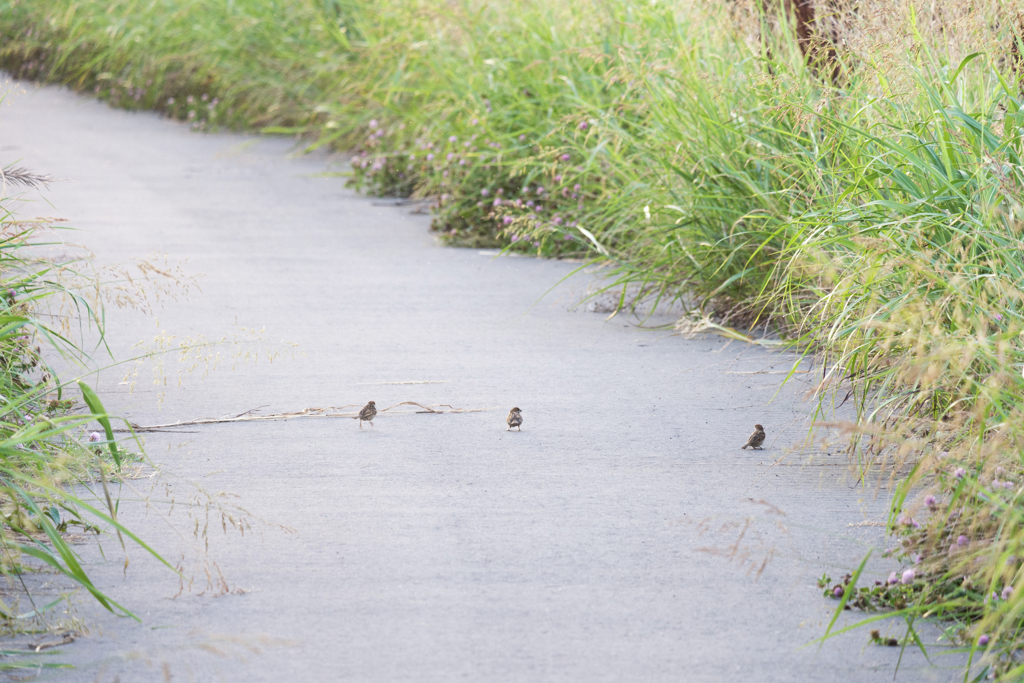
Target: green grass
(874, 223)
(56, 473)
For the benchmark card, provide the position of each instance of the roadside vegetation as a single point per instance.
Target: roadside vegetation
(853, 183)
(60, 461)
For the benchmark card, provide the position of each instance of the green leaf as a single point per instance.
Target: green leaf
(100, 413)
(964, 62)
(851, 588)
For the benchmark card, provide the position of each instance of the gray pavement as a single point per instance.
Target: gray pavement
(621, 536)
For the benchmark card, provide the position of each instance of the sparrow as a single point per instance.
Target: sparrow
(368, 412)
(515, 419)
(756, 439)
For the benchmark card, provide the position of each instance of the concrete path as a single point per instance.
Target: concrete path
(621, 536)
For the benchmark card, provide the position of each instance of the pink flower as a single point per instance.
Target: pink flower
(453, 139)
(497, 201)
(929, 501)
(373, 123)
(430, 157)
(558, 178)
(515, 238)
(583, 125)
(962, 540)
(837, 591)
(577, 187)
(485, 192)
(959, 473)
(1007, 592)
(893, 579)
(522, 137)
(566, 157)
(507, 220)
(475, 121)
(94, 437)
(908, 576)
(983, 640)
(450, 156)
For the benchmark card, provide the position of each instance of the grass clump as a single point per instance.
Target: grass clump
(59, 458)
(867, 208)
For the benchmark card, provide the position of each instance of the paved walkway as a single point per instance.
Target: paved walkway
(619, 537)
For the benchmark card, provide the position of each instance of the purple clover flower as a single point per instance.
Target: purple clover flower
(893, 579)
(583, 125)
(566, 157)
(453, 139)
(94, 437)
(558, 178)
(497, 201)
(373, 124)
(1007, 592)
(507, 220)
(515, 238)
(962, 540)
(929, 501)
(450, 156)
(430, 157)
(983, 640)
(908, 576)
(837, 592)
(485, 192)
(522, 137)
(959, 473)
(475, 121)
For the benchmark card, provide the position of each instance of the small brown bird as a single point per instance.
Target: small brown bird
(756, 439)
(515, 419)
(368, 412)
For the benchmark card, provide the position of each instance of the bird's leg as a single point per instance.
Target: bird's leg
(360, 423)
(519, 428)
